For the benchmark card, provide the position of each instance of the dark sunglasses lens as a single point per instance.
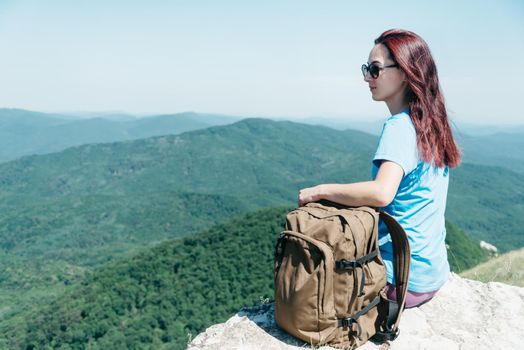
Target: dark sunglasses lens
(374, 70)
(364, 69)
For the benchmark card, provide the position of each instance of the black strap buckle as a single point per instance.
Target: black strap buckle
(346, 264)
(386, 335)
(349, 322)
(346, 322)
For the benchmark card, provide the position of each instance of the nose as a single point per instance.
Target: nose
(367, 77)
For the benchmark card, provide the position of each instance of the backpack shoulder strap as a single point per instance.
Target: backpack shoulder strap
(401, 264)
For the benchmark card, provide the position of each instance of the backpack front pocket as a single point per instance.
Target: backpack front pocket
(304, 287)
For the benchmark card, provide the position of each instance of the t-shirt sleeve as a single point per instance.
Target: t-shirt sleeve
(398, 143)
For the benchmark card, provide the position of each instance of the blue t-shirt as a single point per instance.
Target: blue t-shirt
(418, 206)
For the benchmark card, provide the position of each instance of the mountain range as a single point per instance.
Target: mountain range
(24, 132)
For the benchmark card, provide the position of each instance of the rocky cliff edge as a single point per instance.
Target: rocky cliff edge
(465, 314)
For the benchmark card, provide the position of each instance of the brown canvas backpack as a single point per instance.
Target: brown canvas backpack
(329, 276)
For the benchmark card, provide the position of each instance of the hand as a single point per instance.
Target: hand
(310, 194)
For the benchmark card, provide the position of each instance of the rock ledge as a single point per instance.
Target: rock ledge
(465, 314)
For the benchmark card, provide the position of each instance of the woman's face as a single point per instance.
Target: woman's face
(391, 83)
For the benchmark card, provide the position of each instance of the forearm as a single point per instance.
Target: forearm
(354, 194)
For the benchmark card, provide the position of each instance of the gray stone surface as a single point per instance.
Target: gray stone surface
(465, 314)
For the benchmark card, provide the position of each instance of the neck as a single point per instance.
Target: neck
(397, 103)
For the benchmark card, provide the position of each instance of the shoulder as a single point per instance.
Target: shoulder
(401, 123)
(398, 143)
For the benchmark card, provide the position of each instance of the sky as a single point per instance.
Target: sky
(291, 59)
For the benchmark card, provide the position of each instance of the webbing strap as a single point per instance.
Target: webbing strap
(388, 333)
(352, 265)
(401, 263)
(349, 321)
(392, 313)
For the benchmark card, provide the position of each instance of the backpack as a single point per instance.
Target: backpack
(329, 278)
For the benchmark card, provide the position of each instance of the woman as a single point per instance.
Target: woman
(410, 169)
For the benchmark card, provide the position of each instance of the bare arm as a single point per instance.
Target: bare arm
(377, 193)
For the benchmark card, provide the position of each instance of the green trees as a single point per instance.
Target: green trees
(163, 294)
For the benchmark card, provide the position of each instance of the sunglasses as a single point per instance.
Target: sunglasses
(374, 69)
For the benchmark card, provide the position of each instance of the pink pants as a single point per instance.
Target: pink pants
(413, 299)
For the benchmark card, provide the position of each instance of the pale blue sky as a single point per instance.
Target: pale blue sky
(252, 58)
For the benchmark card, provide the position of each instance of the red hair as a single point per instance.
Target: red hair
(425, 100)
